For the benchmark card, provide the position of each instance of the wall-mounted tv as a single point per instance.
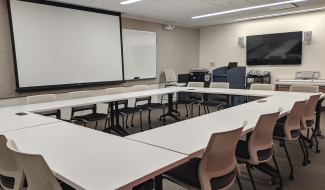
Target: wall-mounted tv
(274, 49)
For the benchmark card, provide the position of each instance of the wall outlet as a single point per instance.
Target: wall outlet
(212, 64)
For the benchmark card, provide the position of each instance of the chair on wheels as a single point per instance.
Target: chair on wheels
(259, 148)
(217, 169)
(94, 116)
(266, 87)
(147, 106)
(42, 99)
(287, 128)
(38, 173)
(126, 110)
(300, 88)
(12, 176)
(192, 98)
(214, 100)
(308, 119)
(171, 79)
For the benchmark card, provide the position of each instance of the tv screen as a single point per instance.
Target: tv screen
(274, 49)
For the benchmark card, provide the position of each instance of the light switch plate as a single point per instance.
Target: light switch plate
(212, 64)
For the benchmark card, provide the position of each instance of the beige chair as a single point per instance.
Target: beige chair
(87, 118)
(217, 169)
(191, 98)
(43, 99)
(266, 87)
(171, 79)
(126, 110)
(12, 176)
(215, 100)
(259, 148)
(148, 105)
(287, 128)
(308, 119)
(38, 173)
(300, 88)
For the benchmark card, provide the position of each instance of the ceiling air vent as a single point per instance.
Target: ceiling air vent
(284, 6)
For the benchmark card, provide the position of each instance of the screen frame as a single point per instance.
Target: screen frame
(69, 6)
(275, 34)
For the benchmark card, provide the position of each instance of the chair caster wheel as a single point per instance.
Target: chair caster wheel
(186, 115)
(127, 127)
(304, 163)
(160, 119)
(279, 188)
(291, 177)
(317, 151)
(179, 115)
(308, 161)
(132, 125)
(271, 181)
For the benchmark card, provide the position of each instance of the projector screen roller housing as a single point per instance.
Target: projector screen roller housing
(60, 45)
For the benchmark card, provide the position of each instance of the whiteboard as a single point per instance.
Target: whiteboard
(139, 52)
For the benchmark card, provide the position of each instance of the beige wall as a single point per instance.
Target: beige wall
(219, 43)
(177, 49)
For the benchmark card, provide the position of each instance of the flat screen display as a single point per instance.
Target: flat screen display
(274, 49)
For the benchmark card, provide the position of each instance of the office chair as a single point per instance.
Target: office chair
(38, 173)
(171, 79)
(126, 110)
(42, 99)
(214, 100)
(300, 88)
(217, 169)
(94, 116)
(308, 119)
(259, 148)
(266, 87)
(191, 98)
(147, 106)
(12, 176)
(287, 128)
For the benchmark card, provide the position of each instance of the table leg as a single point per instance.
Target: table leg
(117, 128)
(158, 182)
(170, 108)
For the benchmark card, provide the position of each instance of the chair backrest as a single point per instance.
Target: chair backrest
(170, 75)
(8, 165)
(268, 87)
(219, 157)
(118, 90)
(41, 98)
(262, 136)
(138, 88)
(219, 85)
(195, 84)
(82, 94)
(299, 88)
(38, 173)
(308, 113)
(293, 120)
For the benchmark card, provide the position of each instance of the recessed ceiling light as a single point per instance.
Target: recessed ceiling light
(248, 8)
(281, 14)
(129, 1)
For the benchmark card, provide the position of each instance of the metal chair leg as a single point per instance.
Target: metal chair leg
(250, 175)
(208, 109)
(304, 162)
(149, 121)
(123, 121)
(141, 120)
(126, 120)
(278, 172)
(287, 153)
(205, 111)
(199, 109)
(317, 150)
(96, 125)
(307, 152)
(239, 183)
(186, 110)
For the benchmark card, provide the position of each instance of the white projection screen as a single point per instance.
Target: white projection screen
(60, 45)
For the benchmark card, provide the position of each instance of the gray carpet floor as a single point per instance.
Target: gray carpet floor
(309, 177)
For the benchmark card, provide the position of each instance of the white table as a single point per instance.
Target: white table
(92, 160)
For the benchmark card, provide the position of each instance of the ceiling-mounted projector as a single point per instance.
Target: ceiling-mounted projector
(168, 27)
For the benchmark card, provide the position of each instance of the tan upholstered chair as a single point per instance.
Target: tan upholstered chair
(287, 128)
(171, 79)
(265, 87)
(38, 173)
(43, 99)
(148, 105)
(12, 176)
(300, 88)
(217, 169)
(87, 118)
(259, 148)
(308, 119)
(221, 99)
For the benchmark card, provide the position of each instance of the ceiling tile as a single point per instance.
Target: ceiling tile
(168, 8)
(231, 4)
(199, 5)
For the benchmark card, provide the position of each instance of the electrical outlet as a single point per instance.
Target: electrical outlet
(212, 64)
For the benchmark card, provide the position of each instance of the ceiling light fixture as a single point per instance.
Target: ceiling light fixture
(248, 8)
(129, 1)
(281, 14)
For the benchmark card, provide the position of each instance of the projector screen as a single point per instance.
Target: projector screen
(59, 45)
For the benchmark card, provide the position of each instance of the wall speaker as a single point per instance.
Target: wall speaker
(168, 27)
(241, 41)
(308, 35)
